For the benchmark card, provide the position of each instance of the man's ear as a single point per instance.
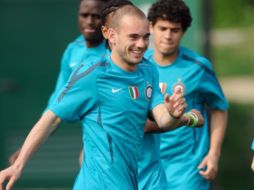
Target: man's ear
(111, 36)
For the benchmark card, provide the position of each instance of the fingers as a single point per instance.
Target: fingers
(166, 98)
(180, 103)
(203, 168)
(208, 169)
(202, 164)
(9, 176)
(176, 95)
(176, 103)
(10, 183)
(209, 173)
(178, 90)
(3, 178)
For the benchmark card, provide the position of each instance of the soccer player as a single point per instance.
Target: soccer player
(189, 155)
(252, 164)
(90, 44)
(112, 98)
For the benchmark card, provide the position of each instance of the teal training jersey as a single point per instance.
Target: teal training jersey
(113, 105)
(74, 55)
(151, 174)
(252, 146)
(183, 149)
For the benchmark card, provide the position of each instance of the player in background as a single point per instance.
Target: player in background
(189, 156)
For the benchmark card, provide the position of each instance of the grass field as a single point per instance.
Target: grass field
(232, 51)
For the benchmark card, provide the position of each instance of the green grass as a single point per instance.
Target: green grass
(230, 13)
(235, 58)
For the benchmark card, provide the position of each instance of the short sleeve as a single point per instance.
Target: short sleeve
(157, 97)
(211, 90)
(77, 96)
(63, 75)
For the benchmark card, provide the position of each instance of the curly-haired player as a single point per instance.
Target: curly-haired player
(189, 156)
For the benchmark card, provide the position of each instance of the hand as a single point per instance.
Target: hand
(210, 165)
(10, 175)
(14, 156)
(175, 104)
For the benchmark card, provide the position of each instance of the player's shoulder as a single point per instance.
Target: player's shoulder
(95, 65)
(79, 42)
(195, 58)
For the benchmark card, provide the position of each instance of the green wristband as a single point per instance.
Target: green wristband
(192, 117)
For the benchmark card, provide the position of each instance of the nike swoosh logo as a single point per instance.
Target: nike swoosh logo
(116, 90)
(73, 64)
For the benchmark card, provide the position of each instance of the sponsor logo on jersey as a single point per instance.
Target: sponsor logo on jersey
(163, 87)
(133, 91)
(115, 90)
(73, 64)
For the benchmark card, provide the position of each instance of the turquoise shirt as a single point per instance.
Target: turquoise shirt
(151, 174)
(74, 55)
(112, 105)
(182, 149)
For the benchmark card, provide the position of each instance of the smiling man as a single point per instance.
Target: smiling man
(113, 123)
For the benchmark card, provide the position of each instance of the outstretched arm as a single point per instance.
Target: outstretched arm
(209, 165)
(39, 133)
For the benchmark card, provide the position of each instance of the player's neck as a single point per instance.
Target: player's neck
(165, 59)
(121, 63)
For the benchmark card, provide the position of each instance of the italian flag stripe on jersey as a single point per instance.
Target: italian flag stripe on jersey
(133, 90)
(163, 87)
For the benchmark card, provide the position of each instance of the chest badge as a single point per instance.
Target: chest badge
(133, 91)
(163, 87)
(148, 92)
(179, 84)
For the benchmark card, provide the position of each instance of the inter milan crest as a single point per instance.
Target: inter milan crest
(179, 85)
(133, 90)
(163, 87)
(148, 92)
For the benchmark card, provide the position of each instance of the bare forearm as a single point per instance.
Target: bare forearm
(218, 127)
(39, 133)
(152, 127)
